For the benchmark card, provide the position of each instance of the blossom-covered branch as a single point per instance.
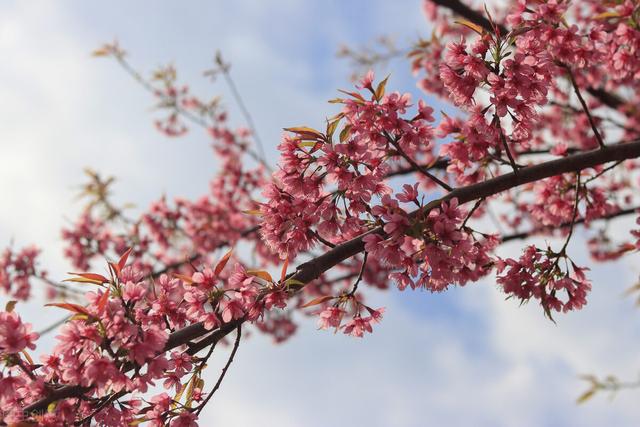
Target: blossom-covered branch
(377, 198)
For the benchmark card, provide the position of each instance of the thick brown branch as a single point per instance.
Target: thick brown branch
(442, 163)
(312, 269)
(176, 339)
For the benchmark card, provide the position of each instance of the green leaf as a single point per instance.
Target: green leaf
(10, 306)
(381, 89)
(190, 389)
(345, 132)
(607, 15)
(294, 282)
(470, 25)
(179, 394)
(79, 317)
(331, 128)
(255, 212)
(308, 143)
(586, 396)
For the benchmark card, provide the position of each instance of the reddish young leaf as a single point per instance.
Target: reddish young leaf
(69, 306)
(123, 260)
(283, 274)
(470, 25)
(317, 301)
(261, 274)
(102, 302)
(83, 280)
(356, 95)
(27, 356)
(186, 279)
(222, 262)
(381, 89)
(98, 279)
(305, 131)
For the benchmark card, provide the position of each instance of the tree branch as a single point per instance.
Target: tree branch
(312, 269)
(416, 166)
(584, 105)
(224, 370)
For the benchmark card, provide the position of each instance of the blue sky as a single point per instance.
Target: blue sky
(464, 357)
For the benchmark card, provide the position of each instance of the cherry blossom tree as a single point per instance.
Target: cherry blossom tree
(545, 141)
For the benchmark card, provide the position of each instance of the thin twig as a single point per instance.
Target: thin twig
(603, 171)
(611, 120)
(470, 214)
(419, 168)
(323, 240)
(574, 216)
(101, 406)
(224, 371)
(355, 285)
(585, 108)
(535, 231)
(184, 113)
(53, 326)
(245, 113)
(503, 139)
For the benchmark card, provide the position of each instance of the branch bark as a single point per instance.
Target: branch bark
(312, 269)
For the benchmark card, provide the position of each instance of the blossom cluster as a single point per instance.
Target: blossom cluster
(17, 268)
(519, 74)
(432, 252)
(539, 81)
(328, 184)
(119, 343)
(167, 233)
(540, 274)
(332, 316)
(555, 201)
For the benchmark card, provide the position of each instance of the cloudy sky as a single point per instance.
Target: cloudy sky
(465, 357)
